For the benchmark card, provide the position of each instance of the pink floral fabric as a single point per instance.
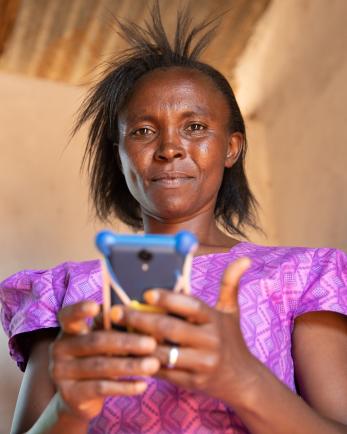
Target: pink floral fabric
(281, 284)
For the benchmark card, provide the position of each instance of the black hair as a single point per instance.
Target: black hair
(150, 49)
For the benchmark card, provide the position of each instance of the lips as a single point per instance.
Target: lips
(170, 176)
(171, 179)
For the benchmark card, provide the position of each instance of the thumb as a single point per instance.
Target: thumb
(75, 318)
(227, 300)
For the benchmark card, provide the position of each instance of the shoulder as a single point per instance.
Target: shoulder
(293, 266)
(285, 253)
(306, 260)
(25, 277)
(301, 279)
(56, 278)
(53, 284)
(31, 299)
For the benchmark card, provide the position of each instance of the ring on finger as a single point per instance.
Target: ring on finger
(173, 357)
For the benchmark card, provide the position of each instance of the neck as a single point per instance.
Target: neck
(203, 225)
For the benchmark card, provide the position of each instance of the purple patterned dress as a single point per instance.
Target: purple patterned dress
(281, 284)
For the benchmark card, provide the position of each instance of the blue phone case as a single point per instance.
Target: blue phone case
(140, 262)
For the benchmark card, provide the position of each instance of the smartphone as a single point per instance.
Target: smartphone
(134, 263)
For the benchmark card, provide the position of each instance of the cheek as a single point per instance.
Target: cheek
(211, 155)
(133, 162)
(135, 167)
(204, 148)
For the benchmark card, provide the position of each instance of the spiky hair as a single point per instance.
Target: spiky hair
(150, 49)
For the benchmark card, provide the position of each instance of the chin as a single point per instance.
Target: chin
(171, 209)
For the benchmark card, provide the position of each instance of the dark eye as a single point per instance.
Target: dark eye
(145, 131)
(196, 127)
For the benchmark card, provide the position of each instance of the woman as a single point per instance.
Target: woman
(165, 152)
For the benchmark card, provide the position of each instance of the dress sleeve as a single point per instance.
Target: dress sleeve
(30, 300)
(326, 286)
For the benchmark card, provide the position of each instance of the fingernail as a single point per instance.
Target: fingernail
(245, 261)
(116, 313)
(147, 343)
(151, 296)
(150, 365)
(140, 387)
(90, 307)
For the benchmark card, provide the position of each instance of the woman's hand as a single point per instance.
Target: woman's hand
(212, 354)
(87, 365)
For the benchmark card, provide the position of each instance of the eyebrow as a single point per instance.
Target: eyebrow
(138, 118)
(198, 111)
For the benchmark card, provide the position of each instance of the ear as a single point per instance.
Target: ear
(235, 146)
(117, 157)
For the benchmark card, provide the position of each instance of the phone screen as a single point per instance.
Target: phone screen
(138, 268)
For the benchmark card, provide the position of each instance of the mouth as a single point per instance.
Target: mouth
(171, 179)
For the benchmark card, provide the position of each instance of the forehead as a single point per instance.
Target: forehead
(176, 88)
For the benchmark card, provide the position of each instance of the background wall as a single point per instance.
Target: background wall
(291, 87)
(44, 195)
(44, 213)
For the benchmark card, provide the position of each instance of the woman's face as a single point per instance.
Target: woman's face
(174, 143)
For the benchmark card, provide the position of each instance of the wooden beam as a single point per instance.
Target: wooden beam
(8, 14)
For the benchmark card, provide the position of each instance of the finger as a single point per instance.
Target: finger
(84, 391)
(98, 320)
(104, 342)
(73, 318)
(164, 327)
(186, 306)
(189, 359)
(187, 380)
(227, 300)
(94, 368)
(117, 314)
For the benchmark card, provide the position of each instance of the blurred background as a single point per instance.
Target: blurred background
(286, 60)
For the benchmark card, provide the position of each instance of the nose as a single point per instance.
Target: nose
(169, 147)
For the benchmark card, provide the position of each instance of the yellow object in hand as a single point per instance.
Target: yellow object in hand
(142, 307)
